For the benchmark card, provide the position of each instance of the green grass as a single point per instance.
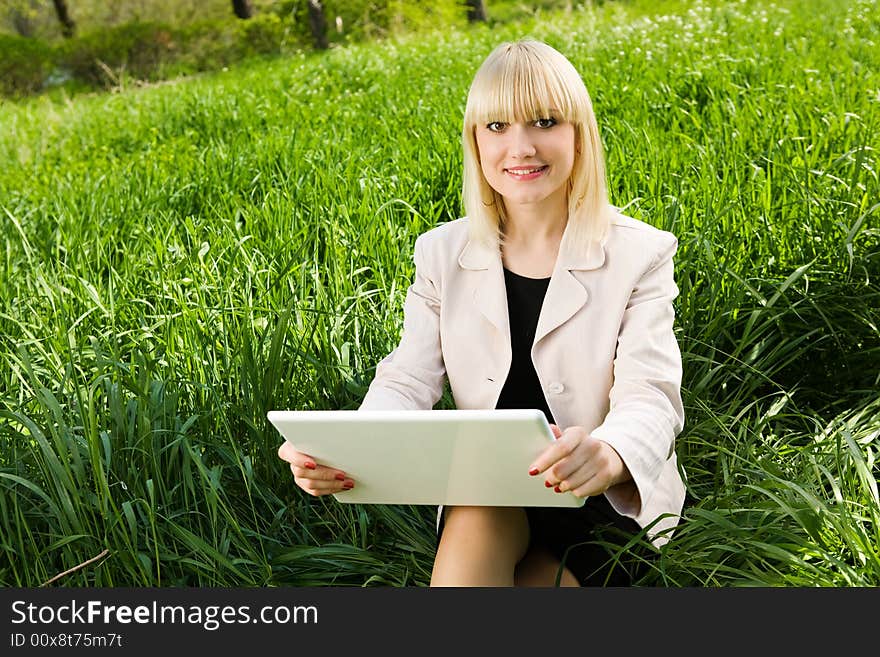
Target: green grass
(181, 258)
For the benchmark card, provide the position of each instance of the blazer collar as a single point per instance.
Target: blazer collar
(477, 255)
(565, 293)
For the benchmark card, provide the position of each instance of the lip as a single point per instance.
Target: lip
(528, 176)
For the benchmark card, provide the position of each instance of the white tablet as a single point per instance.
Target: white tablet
(464, 457)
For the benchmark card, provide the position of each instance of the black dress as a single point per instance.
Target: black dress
(581, 531)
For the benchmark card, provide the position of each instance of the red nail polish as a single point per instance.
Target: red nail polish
(557, 489)
(310, 465)
(548, 484)
(340, 476)
(348, 485)
(533, 471)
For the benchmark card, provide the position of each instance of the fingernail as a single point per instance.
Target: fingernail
(348, 485)
(557, 489)
(548, 484)
(340, 476)
(310, 465)
(533, 471)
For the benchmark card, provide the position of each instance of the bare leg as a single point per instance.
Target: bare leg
(539, 568)
(480, 546)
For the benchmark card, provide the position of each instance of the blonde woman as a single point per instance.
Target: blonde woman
(543, 296)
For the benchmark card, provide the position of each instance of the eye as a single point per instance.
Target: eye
(496, 126)
(545, 123)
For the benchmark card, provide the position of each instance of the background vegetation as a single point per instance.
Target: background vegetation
(180, 258)
(100, 43)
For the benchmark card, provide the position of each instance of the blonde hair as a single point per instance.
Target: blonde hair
(523, 81)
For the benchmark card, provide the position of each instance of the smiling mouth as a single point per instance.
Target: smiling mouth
(526, 173)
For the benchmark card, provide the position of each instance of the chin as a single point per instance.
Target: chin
(524, 199)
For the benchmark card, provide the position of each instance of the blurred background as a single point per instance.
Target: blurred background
(87, 43)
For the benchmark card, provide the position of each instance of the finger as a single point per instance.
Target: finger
(558, 471)
(569, 472)
(593, 478)
(289, 453)
(591, 457)
(317, 492)
(597, 464)
(561, 448)
(584, 462)
(320, 473)
(576, 479)
(591, 487)
(304, 461)
(284, 450)
(318, 487)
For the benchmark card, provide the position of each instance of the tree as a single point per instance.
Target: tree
(476, 11)
(22, 14)
(68, 27)
(242, 8)
(22, 23)
(318, 24)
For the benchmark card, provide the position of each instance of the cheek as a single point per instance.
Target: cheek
(567, 158)
(567, 146)
(488, 162)
(571, 162)
(489, 145)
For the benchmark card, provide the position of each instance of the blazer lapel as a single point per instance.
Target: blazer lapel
(565, 296)
(490, 293)
(565, 293)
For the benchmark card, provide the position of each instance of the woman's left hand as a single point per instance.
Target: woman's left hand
(579, 463)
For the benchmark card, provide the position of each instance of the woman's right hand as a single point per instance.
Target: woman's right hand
(313, 478)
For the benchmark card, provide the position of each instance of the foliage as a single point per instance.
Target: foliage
(95, 15)
(24, 65)
(137, 48)
(150, 50)
(349, 21)
(181, 258)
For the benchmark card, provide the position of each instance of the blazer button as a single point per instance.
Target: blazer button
(555, 388)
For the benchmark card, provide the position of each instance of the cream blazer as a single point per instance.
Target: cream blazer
(604, 349)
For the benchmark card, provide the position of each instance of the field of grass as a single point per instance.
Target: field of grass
(179, 259)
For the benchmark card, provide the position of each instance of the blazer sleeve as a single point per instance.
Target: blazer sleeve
(411, 377)
(646, 412)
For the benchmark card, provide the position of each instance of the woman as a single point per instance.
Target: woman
(543, 296)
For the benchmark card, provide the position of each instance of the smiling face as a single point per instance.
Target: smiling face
(527, 162)
(529, 140)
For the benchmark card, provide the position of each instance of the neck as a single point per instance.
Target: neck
(536, 224)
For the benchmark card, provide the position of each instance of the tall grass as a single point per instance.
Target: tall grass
(178, 260)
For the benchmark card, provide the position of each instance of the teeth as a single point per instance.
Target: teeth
(523, 172)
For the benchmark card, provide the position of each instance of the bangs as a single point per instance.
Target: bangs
(522, 84)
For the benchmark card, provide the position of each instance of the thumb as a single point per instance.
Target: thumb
(556, 431)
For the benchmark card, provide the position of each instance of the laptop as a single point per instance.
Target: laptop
(458, 457)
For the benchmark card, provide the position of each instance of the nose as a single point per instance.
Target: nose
(521, 143)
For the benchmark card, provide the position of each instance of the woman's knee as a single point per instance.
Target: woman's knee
(540, 568)
(507, 526)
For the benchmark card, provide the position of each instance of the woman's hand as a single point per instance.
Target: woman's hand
(579, 463)
(313, 478)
